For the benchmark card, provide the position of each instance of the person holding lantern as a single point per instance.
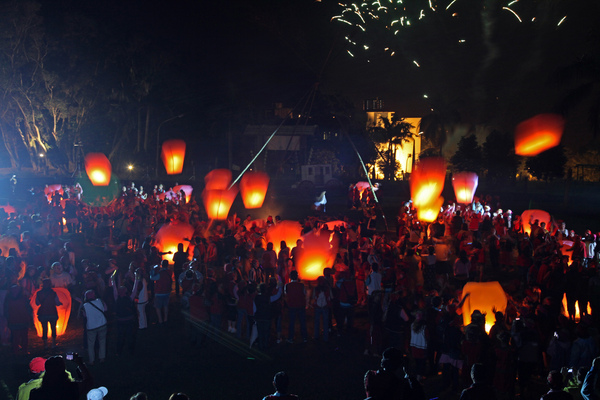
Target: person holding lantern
(48, 300)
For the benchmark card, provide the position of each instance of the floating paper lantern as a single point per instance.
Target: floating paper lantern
(98, 169)
(289, 231)
(427, 181)
(8, 209)
(170, 235)
(318, 254)
(173, 155)
(64, 311)
(486, 297)
(7, 243)
(540, 215)
(49, 191)
(217, 179)
(429, 212)
(187, 189)
(538, 134)
(253, 187)
(465, 184)
(218, 202)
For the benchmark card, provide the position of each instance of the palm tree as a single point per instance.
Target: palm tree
(436, 125)
(392, 132)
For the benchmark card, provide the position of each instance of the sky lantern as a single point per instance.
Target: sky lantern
(253, 187)
(170, 235)
(486, 297)
(465, 185)
(318, 254)
(289, 231)
(64, 311)
(187, 189)
(173, 155)
(7, 243)
(98, 169)
(427, 181)
(217, 179)
(218, 202)
(540, 215)
(538, 134)
(49, 190)
(429, 212)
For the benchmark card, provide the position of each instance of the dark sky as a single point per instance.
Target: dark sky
(244, 53)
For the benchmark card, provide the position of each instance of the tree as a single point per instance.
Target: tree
(499, 157)
(468, 156)
(436, 125)
(390, 134)
(548, 165)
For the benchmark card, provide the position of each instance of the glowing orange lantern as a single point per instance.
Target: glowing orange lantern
(318, 254)
(218, 202)
(465, 184)
(532, 215)
(173, 155)
(217, 179)
(49, 191)
(577, 316)
(8, 209)
(98, 169)
(289, 231)
(538, 134)
(486, 297)
(253, 187)
(187, 189)
(427, 181)
(64, 311)
(429, 212)
(170, 235)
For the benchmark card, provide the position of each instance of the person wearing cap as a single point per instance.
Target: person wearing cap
(57, 383)
(97, 394)
(36, 370)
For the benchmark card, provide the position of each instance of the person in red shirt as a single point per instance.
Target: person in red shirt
(295, 296)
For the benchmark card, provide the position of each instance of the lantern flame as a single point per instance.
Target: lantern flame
(577, 314)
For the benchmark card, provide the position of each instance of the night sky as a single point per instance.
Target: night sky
(215, 59)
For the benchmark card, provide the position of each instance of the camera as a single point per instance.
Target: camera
(69, 356)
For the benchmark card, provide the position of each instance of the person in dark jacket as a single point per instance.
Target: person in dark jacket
(479, 390)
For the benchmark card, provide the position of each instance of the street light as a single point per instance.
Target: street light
(158, 139)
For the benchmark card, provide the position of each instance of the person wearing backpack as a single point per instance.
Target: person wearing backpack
(322, 304)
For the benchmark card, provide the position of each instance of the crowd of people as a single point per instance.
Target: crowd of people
(230, 281)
